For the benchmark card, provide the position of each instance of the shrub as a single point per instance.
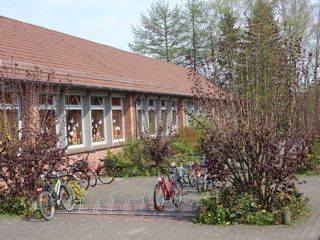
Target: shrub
(312, 165)
(157, 148)
(228, 207)
(126, 165)
(28, 148)
(79, 192)
(14, 205)
(136, 156)
(212, 211)
(187, 141)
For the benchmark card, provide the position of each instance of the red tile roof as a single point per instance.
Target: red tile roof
(87, 63)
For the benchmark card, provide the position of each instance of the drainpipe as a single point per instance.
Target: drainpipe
(135, 113)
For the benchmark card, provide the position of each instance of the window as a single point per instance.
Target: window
(9, 112)
(47, 111)
(174, 114)
(97, 120)
(9, 121)
(74, 120)
(152, 116)
(164, 116)
(191, 110)
(117, 118)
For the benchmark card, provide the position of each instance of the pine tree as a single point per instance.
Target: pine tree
(161, 34)
(198, 33)
(228, 49)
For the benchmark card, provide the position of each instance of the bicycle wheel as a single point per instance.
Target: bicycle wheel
(185, 175)
(93, 178)
(68, 197)
(201, 184)
(106, 174)
(192, 176)
(46, 205)
(83, 179)
(158, 197)
(177, 194)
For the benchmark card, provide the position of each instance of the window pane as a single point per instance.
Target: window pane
(174, 105)
(73, 100)
(151, 103)
(96, 101)
(46, 100)
(97, 126)
(74, 127)
(152, 121)
(47, 119)
(174, 118)
(116, 101)
(8, 122)
(164, 116)
(139, 122)
(7, 98)
(117, 124)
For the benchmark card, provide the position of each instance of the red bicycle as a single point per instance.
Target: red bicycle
(104, 171)
(166, 190)
(195, 170)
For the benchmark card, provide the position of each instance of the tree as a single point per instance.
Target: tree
(227, 48)
(259, 134)
(316, 43)
(28, 144)
(198, 40)
(296, 17)
(161, 34)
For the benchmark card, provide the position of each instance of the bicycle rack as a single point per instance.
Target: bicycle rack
(139, 207)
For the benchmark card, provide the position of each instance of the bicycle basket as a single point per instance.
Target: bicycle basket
(81, 165)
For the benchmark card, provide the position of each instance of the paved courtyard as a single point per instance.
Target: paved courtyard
(135, 227)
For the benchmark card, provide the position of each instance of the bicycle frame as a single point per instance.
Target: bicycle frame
(104, 171)
(94, 170)
(167, 190)
(166, 185)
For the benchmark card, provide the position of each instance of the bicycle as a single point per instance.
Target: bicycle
(76, 174)
(195, 171)
(104, 171)
(203, 181)
(52, 197)
(166, 190)
(179, 171)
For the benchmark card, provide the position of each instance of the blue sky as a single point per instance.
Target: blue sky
(104, 21)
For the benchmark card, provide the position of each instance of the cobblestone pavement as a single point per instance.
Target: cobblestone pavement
(73, 226)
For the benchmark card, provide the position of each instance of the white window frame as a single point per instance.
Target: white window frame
(98, 107)
(121, 107)
(76, 107)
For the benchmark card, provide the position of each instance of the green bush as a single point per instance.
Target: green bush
(187, 141)
(227, 207)
(211, 210)
(79, 192)
(14, 205)
(131, 160)
(136, 156)
(312, 165)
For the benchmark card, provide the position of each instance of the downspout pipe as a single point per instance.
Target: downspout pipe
(136, 113)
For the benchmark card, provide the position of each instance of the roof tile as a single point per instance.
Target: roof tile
(87, 62)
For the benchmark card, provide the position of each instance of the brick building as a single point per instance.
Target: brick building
(115, 95)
